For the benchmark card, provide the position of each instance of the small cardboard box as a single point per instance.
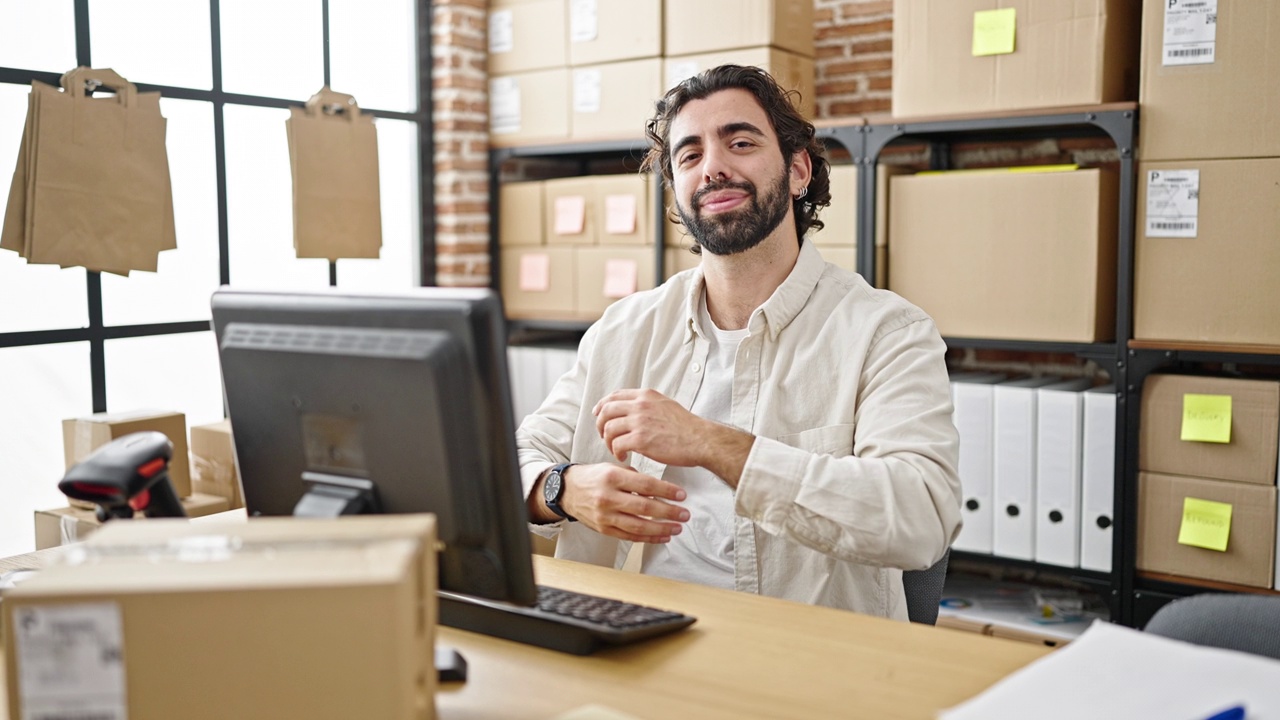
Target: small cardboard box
(1217, 282)
(1249, 557)
(570, 215)
(213, 463)
(712, 25)
(676, 236)
(1235, 77)
(539, 283)
(625, 209)
(1009, 255)
(272, 618)
(529, 108)
(614, 100)
(1250, 456)
(792, 71)
(676, 260)
(520, 218)
(1064, 52)
(61, 526)
(603, 31)
(527, 35)
(81, 436)
(840, 218)
(606, 274)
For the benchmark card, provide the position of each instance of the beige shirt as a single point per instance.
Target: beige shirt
(852, 477)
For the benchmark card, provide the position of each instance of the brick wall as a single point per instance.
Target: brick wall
(853, 42)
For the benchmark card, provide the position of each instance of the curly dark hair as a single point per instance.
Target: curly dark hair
(794, 132)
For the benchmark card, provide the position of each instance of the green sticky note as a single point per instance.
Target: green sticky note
(1206, 418)
(993, 31)
(1205, 524)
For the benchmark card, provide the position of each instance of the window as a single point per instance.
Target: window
(74, 342)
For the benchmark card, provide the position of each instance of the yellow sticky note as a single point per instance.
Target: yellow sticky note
(1206, 418)
(1205, 524)
(994, 31)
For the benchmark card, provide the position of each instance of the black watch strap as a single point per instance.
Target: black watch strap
(553, 490)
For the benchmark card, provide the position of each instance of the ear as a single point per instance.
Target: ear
(801, 171)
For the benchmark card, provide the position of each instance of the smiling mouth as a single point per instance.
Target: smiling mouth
(722, 204)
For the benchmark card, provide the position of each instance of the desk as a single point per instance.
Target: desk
(747, 656)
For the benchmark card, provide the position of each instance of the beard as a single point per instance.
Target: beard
(744, 227)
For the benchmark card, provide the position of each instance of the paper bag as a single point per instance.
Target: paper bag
(333, 154)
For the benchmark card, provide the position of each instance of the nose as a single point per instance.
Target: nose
(715, 165)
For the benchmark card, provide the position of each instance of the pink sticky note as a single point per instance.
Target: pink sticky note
(571, 215)
(535, 272)
(619, 277)
(620, 214)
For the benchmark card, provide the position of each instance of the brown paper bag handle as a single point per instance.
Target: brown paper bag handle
(328, 102)
(85, 79)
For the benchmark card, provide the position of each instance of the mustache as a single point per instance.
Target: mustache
(722, 185)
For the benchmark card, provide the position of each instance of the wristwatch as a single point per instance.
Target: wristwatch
(553, 490)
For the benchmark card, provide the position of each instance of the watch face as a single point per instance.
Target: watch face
(551, 489)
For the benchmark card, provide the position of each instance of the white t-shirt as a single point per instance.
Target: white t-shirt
(703, 552)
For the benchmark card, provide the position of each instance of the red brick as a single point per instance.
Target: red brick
(853, 108)
(852, 67)
(839, 88)
(830, 51)
(854, 29)
(854, 9)
(462, 207)
(824, 15)
(880, 82)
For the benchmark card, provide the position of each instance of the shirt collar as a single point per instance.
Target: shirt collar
(780, 309)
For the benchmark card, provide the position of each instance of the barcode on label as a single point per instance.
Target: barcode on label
(1192, 52)
(77, 716)
(1172, 226)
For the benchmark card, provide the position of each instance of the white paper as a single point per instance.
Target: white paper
(1173, 203)
(70, 661)
(1118, 672)
(586, 91)
(504, 105)
(1190, 31)
(680, 70)
(501, 32)
(583, 20)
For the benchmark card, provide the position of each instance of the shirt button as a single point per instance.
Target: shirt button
(696, 367)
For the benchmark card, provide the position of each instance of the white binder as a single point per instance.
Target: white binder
(1014, 467)
(1099, 478)
(1060, 429)
(972, 398)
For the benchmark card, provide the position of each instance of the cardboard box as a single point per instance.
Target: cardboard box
(1217, 283)
(675, 236)
(271, 618)
(614, 100)
(1009, 255)
(539, 283)
(520, 214)
(527, 35)
(845, 257)
(603, 31)
(840, 218)
(1183, 105)
(624, 207)
(606, 274)
(1250, 457)
(678, 260)
(529, 108)
(1066, 52)
(711, 25)
(570, 215)
(81, 436)
(61, 526)
(792, 71)
(1249, 558)
(213, 463)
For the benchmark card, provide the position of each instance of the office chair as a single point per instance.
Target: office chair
(1248, 623)
(923, 589)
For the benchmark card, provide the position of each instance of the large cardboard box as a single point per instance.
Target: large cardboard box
(1249, 457)
(1066, 52)
(570, 215)
(520, 214)
(1249, 557)
(81, 436)
(603, 31)
(614, 100)
(529, 108)
(607, 274)
(539, 283)
(840, 218)
(1217, 282)
(710, 25)
(675, 235)
(62, 526)
(792, 71)
(213, 463)
(624, 206)
(527, 35)
(272, 618)
(677, 260)
(1233, 76)
(1009, 255)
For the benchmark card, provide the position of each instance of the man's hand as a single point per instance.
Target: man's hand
(620, 502)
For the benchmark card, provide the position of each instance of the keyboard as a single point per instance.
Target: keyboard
(561, 620)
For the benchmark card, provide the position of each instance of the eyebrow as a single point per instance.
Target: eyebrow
(722, 132)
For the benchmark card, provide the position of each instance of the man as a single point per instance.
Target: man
(766, 422)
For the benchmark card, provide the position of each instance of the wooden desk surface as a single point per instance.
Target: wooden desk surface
(746, 657)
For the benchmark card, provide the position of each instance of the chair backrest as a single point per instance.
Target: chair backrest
(923, 589)
(1248, 623)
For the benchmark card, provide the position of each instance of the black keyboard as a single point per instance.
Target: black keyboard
(562, 620)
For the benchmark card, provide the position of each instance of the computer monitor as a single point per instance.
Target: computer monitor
(346, 402)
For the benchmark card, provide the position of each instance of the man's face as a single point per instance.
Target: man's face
(724, 155)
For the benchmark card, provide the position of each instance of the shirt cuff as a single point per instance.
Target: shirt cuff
(770, 481)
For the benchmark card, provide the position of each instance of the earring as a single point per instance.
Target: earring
(803, 191)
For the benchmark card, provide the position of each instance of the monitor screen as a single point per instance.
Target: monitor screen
(344, 402)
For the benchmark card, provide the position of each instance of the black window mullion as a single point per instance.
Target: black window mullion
(219, 142)
(426, 147)
(93, 280)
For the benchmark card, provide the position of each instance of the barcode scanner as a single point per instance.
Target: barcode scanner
(127, 475)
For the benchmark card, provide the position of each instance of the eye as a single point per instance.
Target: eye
(687, 158)
(742, 144)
